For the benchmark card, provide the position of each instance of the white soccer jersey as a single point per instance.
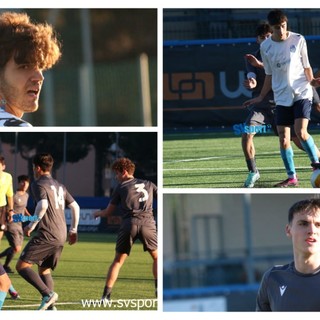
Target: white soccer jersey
(286, 61)
(9, 120)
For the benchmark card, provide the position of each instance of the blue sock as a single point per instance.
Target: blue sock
(310, 149)
(287, 157)
(2, 298)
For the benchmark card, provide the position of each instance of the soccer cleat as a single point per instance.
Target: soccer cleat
(47, 301)
(251, 179)
(14, 295)
(290, 182)
(107, 297)
(8, 269)
(315, 165)
(52, 308)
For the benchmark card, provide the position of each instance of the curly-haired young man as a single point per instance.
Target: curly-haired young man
(27, 49)
(134, 197)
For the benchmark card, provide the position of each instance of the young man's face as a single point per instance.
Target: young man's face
(305, 232)
(279, 31)
(263, 37)
(20, 86)
(23, 185)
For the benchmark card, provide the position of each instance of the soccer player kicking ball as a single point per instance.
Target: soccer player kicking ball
(296, 286)
(289, 74)
(45, 248)
(135, 198)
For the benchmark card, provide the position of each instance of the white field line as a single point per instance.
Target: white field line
(37, 305)
(231, 169)
(213, 158)
(58, 303)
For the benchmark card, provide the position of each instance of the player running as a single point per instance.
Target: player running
(135, 198)
(296, 286)
(260, 114)
(290, 76)
(14, 231)
(45, 248)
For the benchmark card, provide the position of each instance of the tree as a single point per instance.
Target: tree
(27, 144)
(140, 147)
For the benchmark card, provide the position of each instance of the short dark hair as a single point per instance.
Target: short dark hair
(262, 29)
(276, 17)
(123, 164)
(2, 160)
(44, 161)
(23, 177)
(303, 206)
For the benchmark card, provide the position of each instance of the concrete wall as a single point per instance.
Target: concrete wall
(268, 214)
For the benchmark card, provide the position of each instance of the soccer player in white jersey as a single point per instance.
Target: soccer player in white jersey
(27, 49)
(289, 74)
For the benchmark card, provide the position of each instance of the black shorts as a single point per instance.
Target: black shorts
(285, 116)
(129, 233)
(14, 234)
(2, 271)
(42, 253)
(3, 218)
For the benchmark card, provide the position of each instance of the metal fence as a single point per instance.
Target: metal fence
(191, 24)
(117, 97)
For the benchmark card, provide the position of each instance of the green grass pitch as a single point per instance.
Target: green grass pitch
(81, 273)
(215, 160)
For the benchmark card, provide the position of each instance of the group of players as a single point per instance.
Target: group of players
(283, 85)
(281, 73)
(133, 196)
(27, 49)
(281, 78)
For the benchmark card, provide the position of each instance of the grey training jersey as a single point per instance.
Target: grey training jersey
(20, 202)
(52, 227)
(283, 288)
(135, 197)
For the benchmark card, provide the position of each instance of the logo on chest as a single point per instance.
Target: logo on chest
(282, 290)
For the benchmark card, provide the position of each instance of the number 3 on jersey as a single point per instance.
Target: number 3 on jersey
(58, 197)
(140, 188)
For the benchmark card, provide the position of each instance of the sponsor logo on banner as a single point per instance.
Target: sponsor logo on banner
(86, 218)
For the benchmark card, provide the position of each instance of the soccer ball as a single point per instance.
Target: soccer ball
(315, 178)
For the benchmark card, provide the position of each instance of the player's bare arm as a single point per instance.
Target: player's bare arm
(315, 82)
(9, 215)
(10, 203)
(254, 61)
(72, 237)
(27, 231)
(265, 89)
(250, 83)
(105, 212)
